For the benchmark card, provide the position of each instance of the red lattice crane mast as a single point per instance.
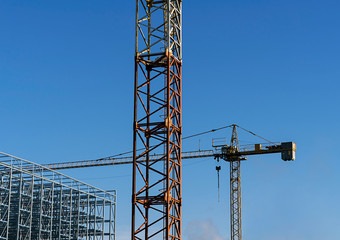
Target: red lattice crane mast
(157, 129)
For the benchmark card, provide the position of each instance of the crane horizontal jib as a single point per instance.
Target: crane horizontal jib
(287, 150)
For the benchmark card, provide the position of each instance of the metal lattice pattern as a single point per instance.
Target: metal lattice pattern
(235, 200)
(124, 160)
(156, 211)
(37, 203)
(235, 189)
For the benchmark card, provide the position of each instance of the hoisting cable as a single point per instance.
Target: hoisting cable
(202, 133)
(197, 134)
(212, 130)
(253, 133)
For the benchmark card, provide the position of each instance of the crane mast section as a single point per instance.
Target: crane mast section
(235, 186)
(157, 173)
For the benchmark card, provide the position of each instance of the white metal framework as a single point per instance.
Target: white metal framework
(39, 203)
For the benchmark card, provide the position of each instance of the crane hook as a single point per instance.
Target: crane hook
(218, 168)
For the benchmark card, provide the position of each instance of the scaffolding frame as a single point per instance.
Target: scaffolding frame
(39, 203)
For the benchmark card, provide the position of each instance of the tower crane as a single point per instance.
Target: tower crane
(232, 153)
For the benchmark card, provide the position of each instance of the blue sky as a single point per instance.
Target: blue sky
(66, 75)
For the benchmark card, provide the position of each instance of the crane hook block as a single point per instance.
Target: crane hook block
(288, 151)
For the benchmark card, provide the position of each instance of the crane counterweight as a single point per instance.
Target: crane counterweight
(288, 154)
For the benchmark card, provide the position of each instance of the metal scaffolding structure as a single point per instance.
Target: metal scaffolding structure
(39, 203)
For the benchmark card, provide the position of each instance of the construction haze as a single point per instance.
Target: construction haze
(80, 211)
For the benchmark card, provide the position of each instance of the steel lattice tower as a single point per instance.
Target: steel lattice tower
(235, 188)
(156, 191)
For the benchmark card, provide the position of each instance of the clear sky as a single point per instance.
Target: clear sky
(66, 75)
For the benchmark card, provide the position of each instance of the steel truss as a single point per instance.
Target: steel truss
(230, 154)
(38, 203)
(156, 200)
